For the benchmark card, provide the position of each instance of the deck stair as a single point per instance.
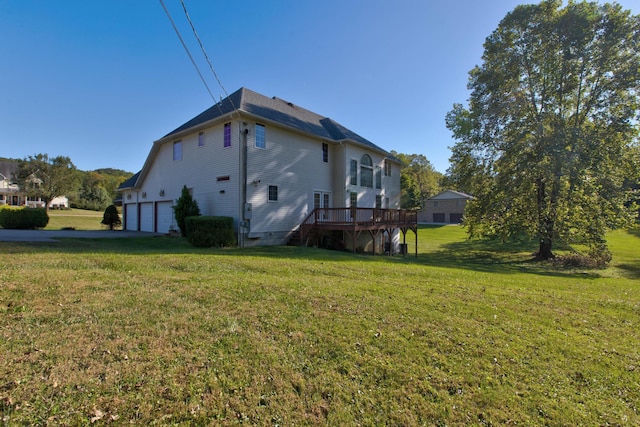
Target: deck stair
(353, 221)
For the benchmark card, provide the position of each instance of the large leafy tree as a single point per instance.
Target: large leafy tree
(548, 139)
(418, 179)
(45, 177)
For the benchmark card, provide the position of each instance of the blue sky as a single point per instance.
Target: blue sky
(100, 81)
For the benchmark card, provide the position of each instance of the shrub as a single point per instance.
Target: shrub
(111, 217)
(24, 219)
(185, 207)
(210, 231)
(598, 257)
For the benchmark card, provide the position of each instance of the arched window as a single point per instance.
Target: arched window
(366, 171)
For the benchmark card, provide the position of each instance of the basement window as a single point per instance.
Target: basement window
(273, 193)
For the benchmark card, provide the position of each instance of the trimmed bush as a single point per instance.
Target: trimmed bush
(23, 219)
(111, 217)
(185, 207)
(210, 231)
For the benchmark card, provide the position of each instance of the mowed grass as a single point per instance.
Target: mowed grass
(153, 331)
(78, 219)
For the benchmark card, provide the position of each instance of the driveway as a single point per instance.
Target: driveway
(52, 235)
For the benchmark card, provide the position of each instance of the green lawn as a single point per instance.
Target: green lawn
(153, 331)
(78, 219)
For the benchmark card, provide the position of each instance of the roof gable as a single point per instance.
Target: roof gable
(451, 195)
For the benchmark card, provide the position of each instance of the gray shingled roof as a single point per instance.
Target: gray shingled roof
(130, 183)
(279, 111)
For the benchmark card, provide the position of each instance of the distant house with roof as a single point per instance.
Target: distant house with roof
(10, 194)
(282, 172)
(445, 207)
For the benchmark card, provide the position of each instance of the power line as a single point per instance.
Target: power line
(204, 52)
(187, 49)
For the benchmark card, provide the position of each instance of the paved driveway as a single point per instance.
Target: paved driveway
(52, 235)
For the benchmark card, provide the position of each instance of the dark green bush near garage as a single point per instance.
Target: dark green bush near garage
(23, 219)
(210, 231)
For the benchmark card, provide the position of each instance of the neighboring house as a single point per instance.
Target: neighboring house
(10, 192)
(271, 165)
(445, 207)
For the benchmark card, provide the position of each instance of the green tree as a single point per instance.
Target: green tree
(46, 178)
(111, 217)
(546, 143)
(185, 206)
(418, 180)
(92, 194)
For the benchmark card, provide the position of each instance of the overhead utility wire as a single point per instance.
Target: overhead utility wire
(186, 49)
(204, 52)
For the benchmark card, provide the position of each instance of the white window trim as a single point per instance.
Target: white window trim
(255, 141)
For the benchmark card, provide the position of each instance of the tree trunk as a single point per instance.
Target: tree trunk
(544, 252)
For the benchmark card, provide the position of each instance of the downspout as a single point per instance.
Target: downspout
(244, 223)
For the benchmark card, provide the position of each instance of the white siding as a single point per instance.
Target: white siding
(294, 164)
(199, 169)
(366, 195)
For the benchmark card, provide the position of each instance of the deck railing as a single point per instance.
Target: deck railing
(358, 218)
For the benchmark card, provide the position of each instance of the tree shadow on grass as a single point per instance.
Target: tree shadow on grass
(495, 256)
(489, 256)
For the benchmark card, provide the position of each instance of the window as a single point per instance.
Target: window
(177, 150)
(353, 173)
(325, 152)
(387, 167)
(353, 199)
(386, 203)
(378, 177)
(201, 139)
(378, 202)
(366, 171)
(223, 178)
(273, 193)
(261, 141)
(227, 135)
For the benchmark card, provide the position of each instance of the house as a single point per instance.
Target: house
(272, 166)
(9, 191)
(11, 195)
(445, 207)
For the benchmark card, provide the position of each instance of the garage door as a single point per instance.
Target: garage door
(455, 218)
(146, 217)
(131, 217)
(164, 211)
(438, 217)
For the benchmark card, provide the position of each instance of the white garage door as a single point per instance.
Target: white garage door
(146, 217)
(165, 216)
(131, 217)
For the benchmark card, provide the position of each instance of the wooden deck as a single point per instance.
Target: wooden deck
(353, 221)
